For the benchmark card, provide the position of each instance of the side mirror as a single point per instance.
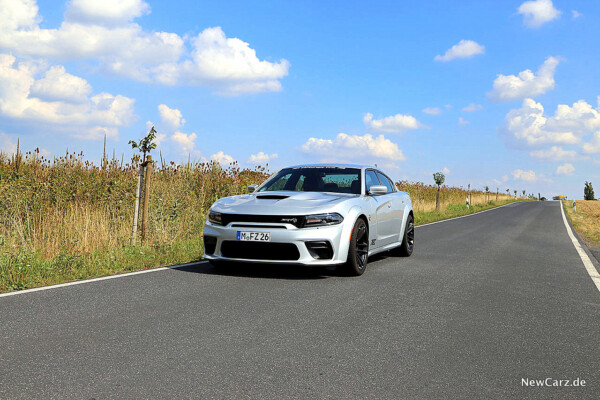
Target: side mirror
(377, 190)
(252, 188)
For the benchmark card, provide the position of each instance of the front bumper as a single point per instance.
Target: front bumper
(336, 235)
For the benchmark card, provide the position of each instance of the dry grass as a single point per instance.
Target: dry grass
(66, 219)
(423, 196)
(586, 220)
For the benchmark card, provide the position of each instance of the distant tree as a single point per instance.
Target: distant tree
(515, 193)
(439, 179)
(588, 191)
(523, 193)
(487, 190)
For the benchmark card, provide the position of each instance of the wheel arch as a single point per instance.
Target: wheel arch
(408, 211)
(354, 214)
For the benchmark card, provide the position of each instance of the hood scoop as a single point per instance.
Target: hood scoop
(272, 197)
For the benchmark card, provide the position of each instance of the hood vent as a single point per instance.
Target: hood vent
(272, 197)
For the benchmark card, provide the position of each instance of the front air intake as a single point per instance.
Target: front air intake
(260, 250)
(210, 244)
(320, 250)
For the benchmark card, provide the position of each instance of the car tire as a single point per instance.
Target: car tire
(356, 262)
(408, 240)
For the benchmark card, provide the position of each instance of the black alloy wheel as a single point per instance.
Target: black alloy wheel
(358, 253)
(408, 241)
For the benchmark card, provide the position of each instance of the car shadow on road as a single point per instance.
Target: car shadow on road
(262, 271)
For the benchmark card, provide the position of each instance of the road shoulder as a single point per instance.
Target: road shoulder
(589, 260)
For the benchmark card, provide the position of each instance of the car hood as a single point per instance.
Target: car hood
(283, 202)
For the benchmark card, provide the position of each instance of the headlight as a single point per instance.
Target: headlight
(323, 219)
(215, 217)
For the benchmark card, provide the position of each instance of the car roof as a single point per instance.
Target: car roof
(327, 165)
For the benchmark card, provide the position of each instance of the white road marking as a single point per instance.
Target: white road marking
(468, 215)
(103, 278)
(589, 266)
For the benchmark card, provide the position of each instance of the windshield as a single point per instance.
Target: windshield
(315, 179)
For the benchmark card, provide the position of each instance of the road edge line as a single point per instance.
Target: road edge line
(469, 215)
(101, 278)
(589, 266)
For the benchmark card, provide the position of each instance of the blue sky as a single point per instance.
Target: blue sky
(503, 94)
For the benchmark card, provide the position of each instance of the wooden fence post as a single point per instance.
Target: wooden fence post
(136, 209)
(146, 197)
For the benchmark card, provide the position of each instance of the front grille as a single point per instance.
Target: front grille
(210, 244)
(321, 250)
(258, 226)
(296, 220)
(260, 250)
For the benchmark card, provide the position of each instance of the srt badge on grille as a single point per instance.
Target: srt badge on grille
(291, 220)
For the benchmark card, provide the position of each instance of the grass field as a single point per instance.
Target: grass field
(66, 219)
(586, 220)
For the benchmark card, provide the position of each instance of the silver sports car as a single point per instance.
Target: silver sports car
(313, 215)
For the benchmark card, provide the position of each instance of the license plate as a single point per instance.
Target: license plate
(254, 236)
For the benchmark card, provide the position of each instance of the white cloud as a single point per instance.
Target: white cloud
(222, 158)
(462, 121)
(103, 33)
(505, 178)
(565, 169)
(261, 158)
(170, 117)
(568, 125)
(66, 108)
(472, 107)
(231, 63)
(7, 144)
(593, 146)
(527, 176)
(106, 11)
(527, 84)
(445, 170)
(432, 110)
(555, 153)
(538, 12)
(348, 147)
(575, 14)
(186, 142)
(393, 124)
(463, 49)
(57, 84)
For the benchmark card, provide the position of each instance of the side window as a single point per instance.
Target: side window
(371, 179)
(386, 182)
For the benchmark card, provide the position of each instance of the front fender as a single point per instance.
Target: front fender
(407, 210)
(349, 222)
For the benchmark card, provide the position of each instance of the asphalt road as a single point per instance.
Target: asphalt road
(484, 302)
